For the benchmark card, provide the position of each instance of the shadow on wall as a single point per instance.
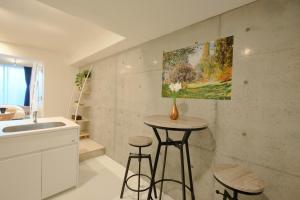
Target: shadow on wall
(183, 107)
(264, 197)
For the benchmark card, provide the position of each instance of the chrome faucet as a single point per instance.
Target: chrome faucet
(34, 115)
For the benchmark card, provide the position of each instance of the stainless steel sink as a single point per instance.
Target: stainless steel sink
(29, 127)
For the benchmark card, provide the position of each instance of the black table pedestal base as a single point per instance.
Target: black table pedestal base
(181, 145)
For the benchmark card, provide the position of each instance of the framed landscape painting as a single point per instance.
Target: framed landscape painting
(204, 70)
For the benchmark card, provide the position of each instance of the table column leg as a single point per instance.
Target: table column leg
(190, 170)
(164, 167)
(163, 172)
(151, 169)
(139, 177)
(155, 163)
(182, 172)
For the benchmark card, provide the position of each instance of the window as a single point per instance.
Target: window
(13, 85)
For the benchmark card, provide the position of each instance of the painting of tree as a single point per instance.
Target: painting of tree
(204, 70)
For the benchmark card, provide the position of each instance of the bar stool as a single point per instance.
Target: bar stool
(238, 179)
(140, 142)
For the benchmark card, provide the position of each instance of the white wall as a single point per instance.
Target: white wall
(58, 76)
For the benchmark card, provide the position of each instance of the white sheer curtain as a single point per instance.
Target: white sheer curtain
(37, 88)
(12, 84)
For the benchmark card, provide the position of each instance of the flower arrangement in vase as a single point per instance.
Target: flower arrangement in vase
(174, 87)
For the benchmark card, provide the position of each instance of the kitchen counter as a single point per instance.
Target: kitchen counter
(47, 158)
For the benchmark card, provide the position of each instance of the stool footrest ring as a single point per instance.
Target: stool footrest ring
(170, 180)
(140, 190)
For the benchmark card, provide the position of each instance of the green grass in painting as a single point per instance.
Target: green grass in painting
(202, 91)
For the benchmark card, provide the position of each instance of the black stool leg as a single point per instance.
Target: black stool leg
(152, 183)
(125, 177)
(235, 195)
(190, 170)
(226, 195)
(182, 172)
(151, 170)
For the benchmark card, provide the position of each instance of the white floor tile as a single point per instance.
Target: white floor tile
(101, 179)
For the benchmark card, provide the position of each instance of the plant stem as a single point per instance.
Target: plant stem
(174, 99)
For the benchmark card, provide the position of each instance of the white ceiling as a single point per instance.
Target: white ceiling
(93, 29)
(32, 23)
(4, 59)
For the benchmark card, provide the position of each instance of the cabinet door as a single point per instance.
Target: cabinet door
(20, 178)
(59, 170)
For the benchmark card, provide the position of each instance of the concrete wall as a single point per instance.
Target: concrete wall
(59, 77)
(258, 128)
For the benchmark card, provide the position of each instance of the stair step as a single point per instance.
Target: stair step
(84, 134)
(88, 148)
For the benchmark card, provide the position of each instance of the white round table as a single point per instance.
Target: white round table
(184, 124)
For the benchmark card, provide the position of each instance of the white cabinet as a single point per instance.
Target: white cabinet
(59, 169)
(20, 177)
(36, 166)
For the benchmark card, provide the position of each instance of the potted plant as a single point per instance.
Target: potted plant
(80, 77)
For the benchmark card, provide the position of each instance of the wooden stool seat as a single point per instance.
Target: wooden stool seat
(238, 178)
(139, 141)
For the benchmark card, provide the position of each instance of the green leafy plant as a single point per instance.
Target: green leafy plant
(80, 77)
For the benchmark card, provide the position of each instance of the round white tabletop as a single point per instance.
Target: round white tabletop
(182, 123)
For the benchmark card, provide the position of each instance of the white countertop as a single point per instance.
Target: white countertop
(69, 124)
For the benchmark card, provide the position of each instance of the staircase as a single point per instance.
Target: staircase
(88, 148)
